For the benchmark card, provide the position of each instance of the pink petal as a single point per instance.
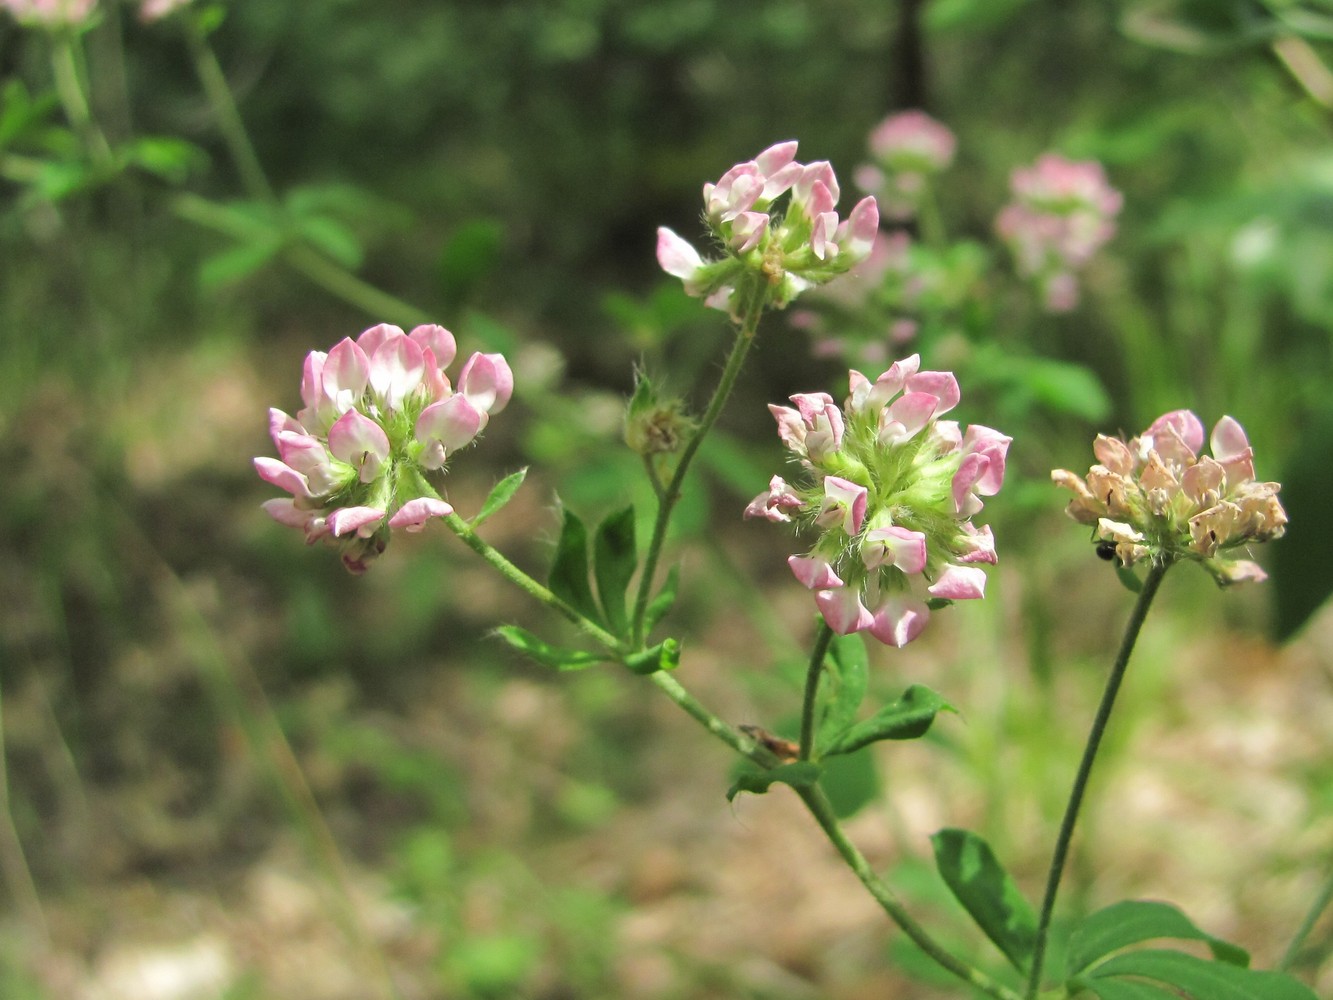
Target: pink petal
(995, 446)
(842, 610)
(360, 442)
(370, 340)
(959, 583)
(814, 572)
(346, 371)
(279, 423)
(942, 385)
(899, 620)
(1228, 440)
(362, 520)
(895, 546)
(862, 228)
(677, 257)
(747, 230)
(452, 422)
(397, 367)
(282, 476)
(414, 514)
(978, 545)
(844, 505)
(776, 156)
(905, 417)
(487, 382)
(436, 339)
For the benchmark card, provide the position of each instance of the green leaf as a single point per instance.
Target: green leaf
(1128, 579)
(1200, 978)
(614, 561)
(798, 774)
(332, 238)
(981, 884)
(908, 718)
(166, 157)
(501, 493)
(546, 654)
(569, 571)
(664, 601)
(1131, 922)
(231, 265)
(847, 672)
(851, 782)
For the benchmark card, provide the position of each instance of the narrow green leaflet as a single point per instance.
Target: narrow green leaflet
(500, 494)
(664, 601)
(614, 562)
(798, 774)
(981, 884)
(1133, 921)
(546, 654)
(1198, 977)
(569, 571)
(331, 237)
(664, 656)
(847, 672)
(908, 718)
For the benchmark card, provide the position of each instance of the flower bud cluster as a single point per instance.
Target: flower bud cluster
(908, 149)
(783, 251)
(50, 13)
(1062, 214)
(1156, 497)
(891, 493)
(380, 417)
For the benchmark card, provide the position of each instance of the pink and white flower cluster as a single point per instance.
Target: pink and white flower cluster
(155, 10)
(50, 13)
(779, 253)
(1061, 215)
(892, 491)
(380, 419)
(1156, 497)
(908, 149)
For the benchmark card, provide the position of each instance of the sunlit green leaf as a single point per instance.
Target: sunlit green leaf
(978, 881)
(501, 493)
(908, 718)
(851, 782)
(1131, 922)
(237, 262)
(332, 238)
(843, 686)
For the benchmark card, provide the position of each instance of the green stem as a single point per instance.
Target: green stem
(527, 584)
(229, 120)
(812, 675)
(1307, 925)
(1099, 723)
(73, 91)
(671, 494)
(822, 810)
(732, 737)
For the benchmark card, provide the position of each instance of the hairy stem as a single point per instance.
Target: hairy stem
(671, 494)
(812, 675)
(1080, 786)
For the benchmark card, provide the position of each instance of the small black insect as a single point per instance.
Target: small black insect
(1106, 550)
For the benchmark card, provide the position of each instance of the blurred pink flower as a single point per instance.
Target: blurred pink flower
(50, 13)
(1063, 212)
(908, 149)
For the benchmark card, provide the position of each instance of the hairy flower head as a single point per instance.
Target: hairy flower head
(380, 421)
(776, 223)
(1156, 497)
(890, 490)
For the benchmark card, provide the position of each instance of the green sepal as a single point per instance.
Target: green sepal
(569, 570)
(546, 654)
(1133, 921)
(798, 774)
(1199, 978)
(614, 562)
(501, 493)
(664, 601)
(847, 673)
(978, 881)
(664, 656)
(908, 718)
